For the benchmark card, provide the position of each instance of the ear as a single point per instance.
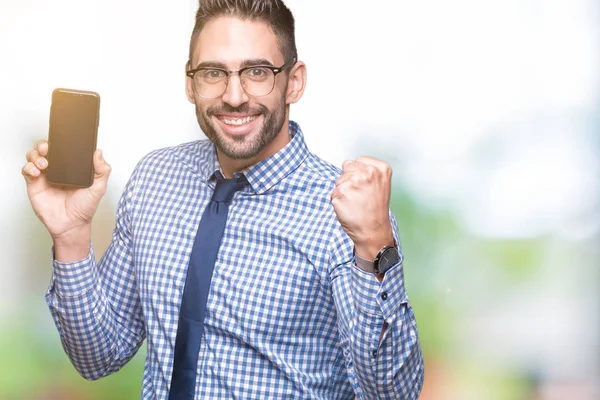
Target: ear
(189, 85)
(296, 83)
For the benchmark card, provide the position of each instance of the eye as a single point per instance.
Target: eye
(257, 72)
(213, 74)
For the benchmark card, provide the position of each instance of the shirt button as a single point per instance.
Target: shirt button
(384, 296)
(374, 353)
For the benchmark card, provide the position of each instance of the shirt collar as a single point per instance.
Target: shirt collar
(267, 173)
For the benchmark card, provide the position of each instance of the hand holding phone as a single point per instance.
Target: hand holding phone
(65, 210)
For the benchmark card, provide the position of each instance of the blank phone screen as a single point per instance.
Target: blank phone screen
(72, 138)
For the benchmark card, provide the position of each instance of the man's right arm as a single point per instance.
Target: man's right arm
(95, 307)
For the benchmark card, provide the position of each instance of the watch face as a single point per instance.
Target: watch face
(388, 258)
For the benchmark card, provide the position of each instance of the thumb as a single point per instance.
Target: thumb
(102, 171)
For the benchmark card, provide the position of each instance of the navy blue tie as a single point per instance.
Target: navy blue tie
(197, 285)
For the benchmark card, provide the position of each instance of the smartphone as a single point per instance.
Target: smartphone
(74, 120)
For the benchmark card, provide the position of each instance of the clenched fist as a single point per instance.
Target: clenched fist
(361, 200)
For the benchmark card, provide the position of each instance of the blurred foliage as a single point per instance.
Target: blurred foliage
(445, 268)
(423, 233)
(34, 367)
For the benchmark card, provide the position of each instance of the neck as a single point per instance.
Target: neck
(229, 165)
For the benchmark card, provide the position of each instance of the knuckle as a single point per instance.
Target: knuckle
(387, 169)
(370, 171)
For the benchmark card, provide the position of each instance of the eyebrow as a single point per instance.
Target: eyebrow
(211, 64)
(246, 63)
(256, 61)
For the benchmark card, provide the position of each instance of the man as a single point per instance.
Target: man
(304, 295)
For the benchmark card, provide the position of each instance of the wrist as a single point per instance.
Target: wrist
(72, 245)
(386, 258)
(368, 249)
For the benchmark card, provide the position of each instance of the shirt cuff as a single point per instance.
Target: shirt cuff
(379, 298)
(74, 278)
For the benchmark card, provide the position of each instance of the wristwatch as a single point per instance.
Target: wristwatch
(385, 259)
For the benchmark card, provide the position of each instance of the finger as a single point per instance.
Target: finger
(345, 177)
(343, 190)
(335, 196)
(369, 160)
(338, 202)
(374, 162)
(101, 167)
(375, 169)
(42, 147)
(346, 163)
(34, 157)
(335, 203)
(31, 154)
(351, 165)
(30, 172)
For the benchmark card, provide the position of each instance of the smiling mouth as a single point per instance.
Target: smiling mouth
(236, 121)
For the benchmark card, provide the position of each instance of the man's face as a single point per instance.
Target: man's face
(240, 125)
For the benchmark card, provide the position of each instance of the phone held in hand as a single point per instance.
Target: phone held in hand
(74, 120)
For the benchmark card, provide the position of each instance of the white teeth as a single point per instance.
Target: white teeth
(238, 121)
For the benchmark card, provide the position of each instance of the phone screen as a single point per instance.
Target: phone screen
(72, 137)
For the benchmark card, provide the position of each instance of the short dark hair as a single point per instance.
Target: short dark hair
(273, 12)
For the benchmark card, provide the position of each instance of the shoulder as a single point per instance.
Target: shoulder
(182, 158)
(311, 185)
(167, 168)
(185, 154)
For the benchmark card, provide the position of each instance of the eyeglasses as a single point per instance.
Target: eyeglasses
(257, 80)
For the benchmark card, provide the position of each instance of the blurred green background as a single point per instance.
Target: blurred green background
(488, 111)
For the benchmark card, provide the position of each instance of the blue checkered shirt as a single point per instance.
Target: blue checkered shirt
(289, 315)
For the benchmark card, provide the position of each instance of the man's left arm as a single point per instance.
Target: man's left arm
(377, 324)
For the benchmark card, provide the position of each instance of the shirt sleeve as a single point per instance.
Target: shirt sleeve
(393, 367)
(96, 307)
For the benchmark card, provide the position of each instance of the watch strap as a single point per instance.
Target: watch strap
(365, 265)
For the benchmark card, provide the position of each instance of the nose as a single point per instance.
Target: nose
(235, 95)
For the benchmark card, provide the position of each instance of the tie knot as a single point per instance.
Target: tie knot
(225, 188)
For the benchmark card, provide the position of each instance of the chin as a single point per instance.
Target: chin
(240, 147)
